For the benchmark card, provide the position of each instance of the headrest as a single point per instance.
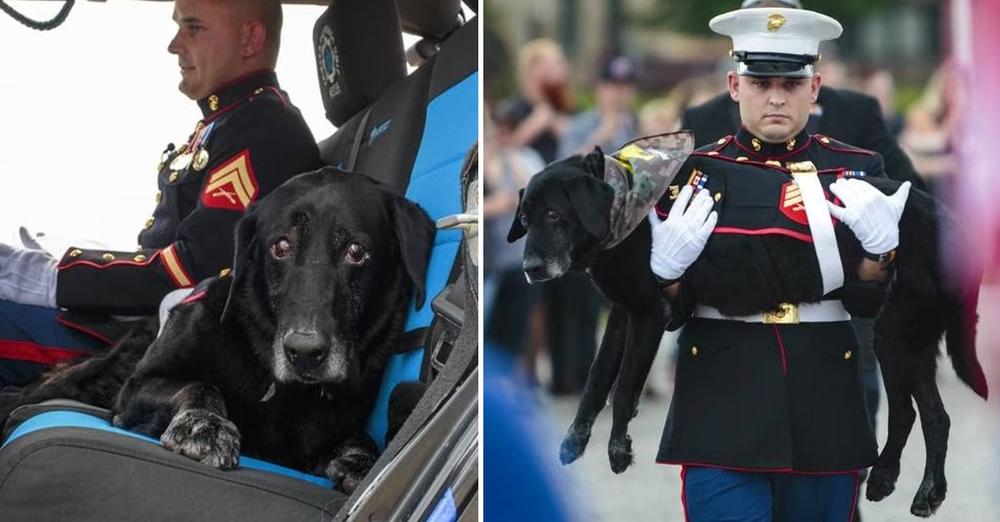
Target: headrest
(433, 19)
(359, 53)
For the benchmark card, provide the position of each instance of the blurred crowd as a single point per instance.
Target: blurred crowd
(544, 121)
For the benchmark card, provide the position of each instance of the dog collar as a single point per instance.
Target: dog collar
(639, 174)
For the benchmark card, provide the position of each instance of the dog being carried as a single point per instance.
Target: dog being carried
(757, 259)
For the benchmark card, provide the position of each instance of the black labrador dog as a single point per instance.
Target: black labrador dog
(281, 359)
(564, 214)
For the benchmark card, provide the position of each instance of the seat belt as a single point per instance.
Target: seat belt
(359, 137)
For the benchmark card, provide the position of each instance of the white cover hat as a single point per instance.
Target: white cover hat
(761, 34)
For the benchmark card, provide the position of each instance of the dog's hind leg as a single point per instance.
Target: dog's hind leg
(644, 339)
(602, 375)
(935, 424)
(898, 389)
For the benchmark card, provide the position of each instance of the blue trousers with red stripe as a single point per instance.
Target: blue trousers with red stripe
(31, 340)
(721, 495)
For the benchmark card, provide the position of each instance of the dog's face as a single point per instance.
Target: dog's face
(564, 213)
(333, 254)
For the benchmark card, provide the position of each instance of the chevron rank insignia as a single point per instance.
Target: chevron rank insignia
(231, 186)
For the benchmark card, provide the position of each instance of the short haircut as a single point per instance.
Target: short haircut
(268, 13)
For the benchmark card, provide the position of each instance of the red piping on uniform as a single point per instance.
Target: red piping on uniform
(684, 501)
(854, 501)
(80, 328)
(781, 347)
(723, 144)
(215, 115)
(276, 91)
(744, 162)
(761, 231)
(840, 149)
(36, 353)
(776, 158)
(110, 264)
(790, 471)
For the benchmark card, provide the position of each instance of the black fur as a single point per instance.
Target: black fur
(313, 326)
(922, 303)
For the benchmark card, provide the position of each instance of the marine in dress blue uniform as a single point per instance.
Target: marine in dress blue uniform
(249, 140)
(768, 417)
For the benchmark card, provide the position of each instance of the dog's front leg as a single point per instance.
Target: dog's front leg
(198, 427)
(350, 462)
(646, 328)
(595, 393)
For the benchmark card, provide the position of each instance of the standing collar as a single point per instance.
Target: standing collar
(760, 149)
(236, 91)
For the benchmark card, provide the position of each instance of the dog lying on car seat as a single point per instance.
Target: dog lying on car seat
(281, 359)
(576, 216)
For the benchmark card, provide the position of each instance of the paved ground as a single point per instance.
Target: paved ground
(648, 491)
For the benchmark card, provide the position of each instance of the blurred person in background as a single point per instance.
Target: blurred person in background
(930, 126)
(541, 110)
(880, 84)
(659, 116)
(508, 299)
(611, 123)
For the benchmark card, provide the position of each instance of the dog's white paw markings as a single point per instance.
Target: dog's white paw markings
(204, 436)
(348, 470)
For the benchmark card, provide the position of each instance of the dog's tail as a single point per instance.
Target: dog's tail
(960, 338)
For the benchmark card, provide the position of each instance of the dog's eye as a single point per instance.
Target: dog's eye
(552, 215)
(356, 254)
(282, 248)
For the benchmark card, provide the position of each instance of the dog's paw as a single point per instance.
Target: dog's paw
(204, 436)
(620, 453)
(929, 497)
(574, 444)
(349, 469)
(881, 481)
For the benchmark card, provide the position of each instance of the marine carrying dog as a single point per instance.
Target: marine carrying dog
(282, 358)
(571, 213)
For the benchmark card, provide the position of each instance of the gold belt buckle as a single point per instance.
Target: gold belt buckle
(786, 313)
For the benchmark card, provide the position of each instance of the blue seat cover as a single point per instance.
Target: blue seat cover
(450, 130)
(72, 419)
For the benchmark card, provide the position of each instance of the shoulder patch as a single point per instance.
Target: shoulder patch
(839, 146)
(232, 185)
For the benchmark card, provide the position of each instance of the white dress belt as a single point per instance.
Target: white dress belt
(822, 312)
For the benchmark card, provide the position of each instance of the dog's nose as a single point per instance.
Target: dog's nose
(534, 268)
(305, 350)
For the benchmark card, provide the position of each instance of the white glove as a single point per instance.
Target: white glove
(27, 276)
(870, 214)
(679, 239)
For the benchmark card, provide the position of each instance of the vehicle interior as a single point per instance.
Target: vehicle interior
(417, 133)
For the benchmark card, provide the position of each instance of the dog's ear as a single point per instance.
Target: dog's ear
(591, 199)
(244, 251)
(517, 230)
(593, 163)
(415, 233)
